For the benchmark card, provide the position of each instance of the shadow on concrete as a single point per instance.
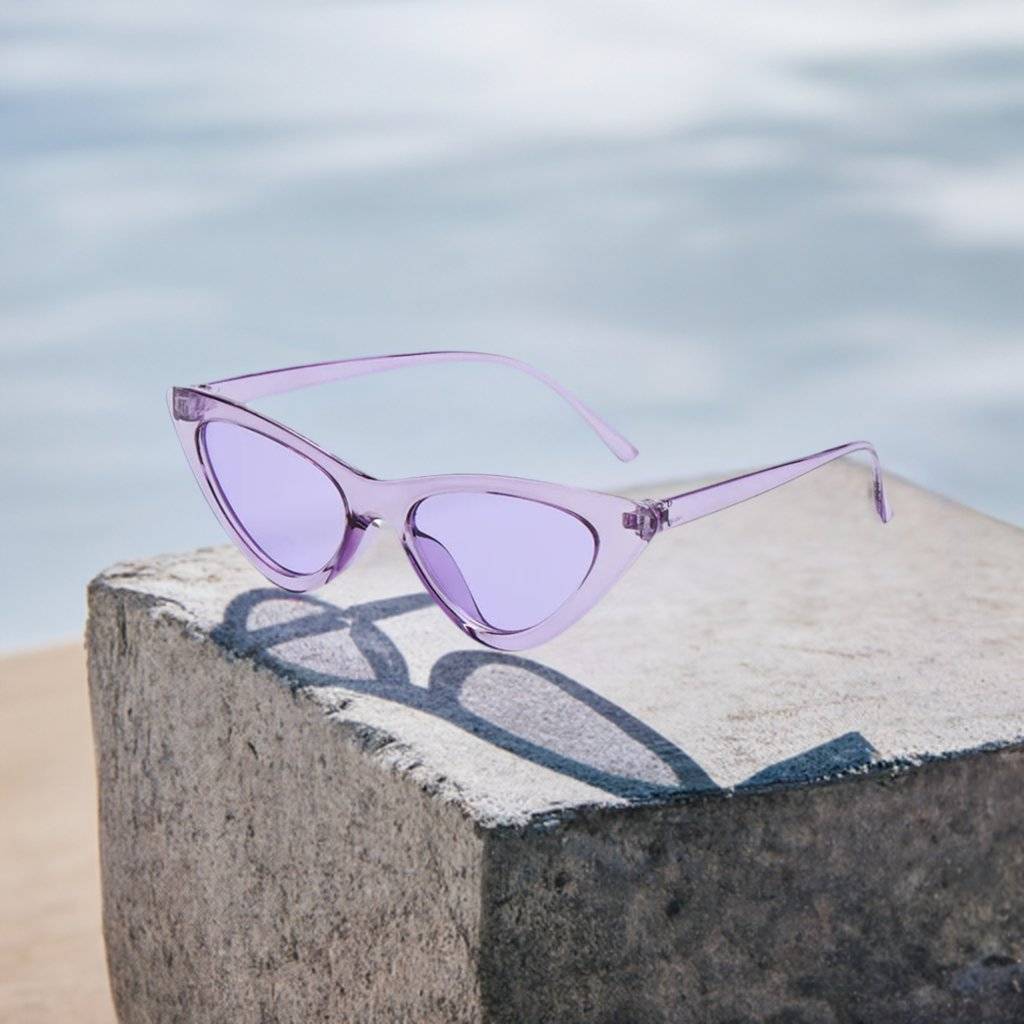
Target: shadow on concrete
(517, 704)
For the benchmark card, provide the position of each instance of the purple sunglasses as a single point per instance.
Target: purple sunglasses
(512, 562)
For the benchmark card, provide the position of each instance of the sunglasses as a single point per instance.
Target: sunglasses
(511, 562)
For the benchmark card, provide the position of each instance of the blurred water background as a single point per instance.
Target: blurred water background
(742, 232)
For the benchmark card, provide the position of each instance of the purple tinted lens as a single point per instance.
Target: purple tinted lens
(290, 509)
(506, 562)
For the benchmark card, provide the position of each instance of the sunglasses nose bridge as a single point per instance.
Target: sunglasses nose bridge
(375, 502)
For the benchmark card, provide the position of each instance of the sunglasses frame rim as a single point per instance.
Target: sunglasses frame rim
(367, 500)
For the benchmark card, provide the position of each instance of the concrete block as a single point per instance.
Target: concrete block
(775, 776)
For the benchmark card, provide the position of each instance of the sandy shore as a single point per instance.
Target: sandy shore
(52, 968)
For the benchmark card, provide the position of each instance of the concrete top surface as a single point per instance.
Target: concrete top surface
(787, 641)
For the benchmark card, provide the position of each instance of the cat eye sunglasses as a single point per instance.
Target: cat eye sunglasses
(511, 562)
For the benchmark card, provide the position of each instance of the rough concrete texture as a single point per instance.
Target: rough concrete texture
(775, 776)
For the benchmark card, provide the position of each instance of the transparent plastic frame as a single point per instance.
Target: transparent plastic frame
(622, 528)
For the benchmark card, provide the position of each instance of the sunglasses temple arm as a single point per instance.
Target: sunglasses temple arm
(684, 508)
(274, 382)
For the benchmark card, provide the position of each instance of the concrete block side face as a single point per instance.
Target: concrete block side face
(887, 899)
(257, 864)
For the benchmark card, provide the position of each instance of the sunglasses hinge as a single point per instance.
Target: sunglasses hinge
(188, 405)
(648, 518)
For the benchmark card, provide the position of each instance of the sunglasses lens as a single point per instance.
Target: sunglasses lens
(289, 508)
(503, 561)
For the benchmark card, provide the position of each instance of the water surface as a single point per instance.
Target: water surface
(741, 232)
